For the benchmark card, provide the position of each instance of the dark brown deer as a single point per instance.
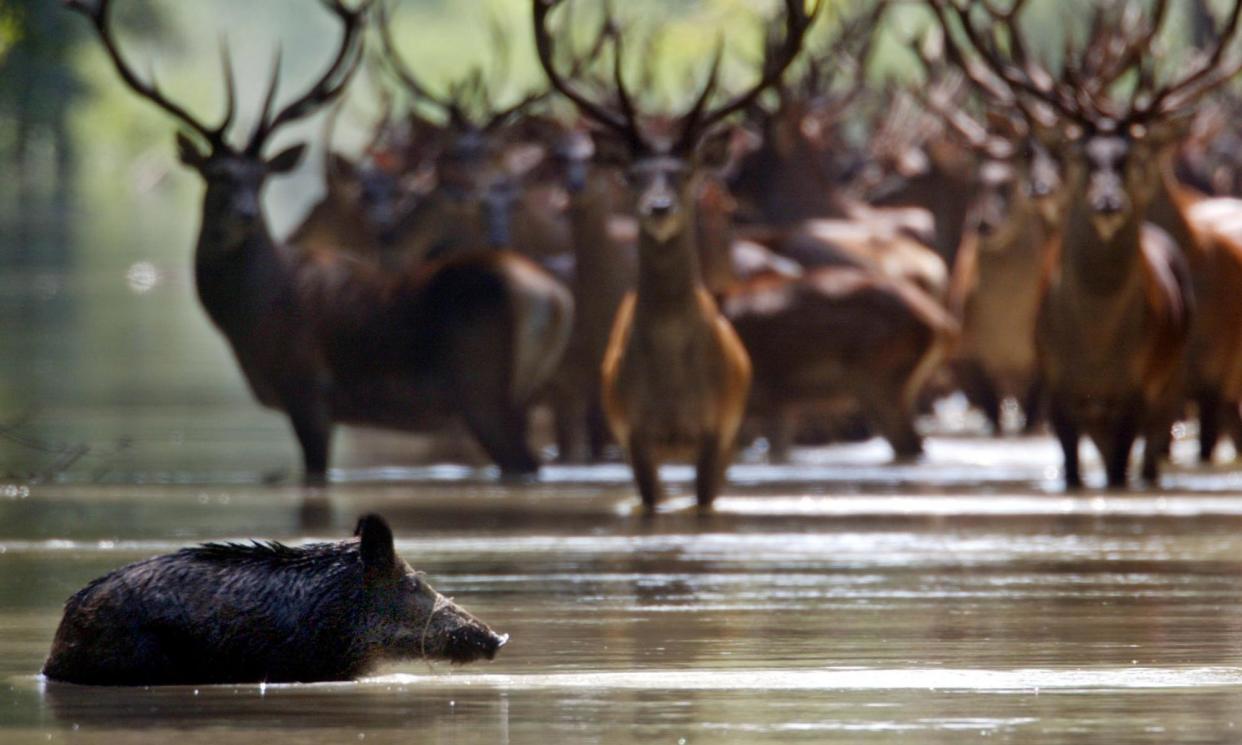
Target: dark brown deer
(676, 376)
(1115, 315)
(326, 338)
(842, 338)
(877, 341)
(604, 271)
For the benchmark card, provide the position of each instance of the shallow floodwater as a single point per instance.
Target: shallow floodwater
(864, 609)
(837, 600)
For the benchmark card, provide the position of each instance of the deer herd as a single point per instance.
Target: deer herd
(808, 257)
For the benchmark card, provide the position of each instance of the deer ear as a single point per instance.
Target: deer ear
(286, 160)
(375, 543)
(189, 152)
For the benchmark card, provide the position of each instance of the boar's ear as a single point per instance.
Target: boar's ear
(375, 543)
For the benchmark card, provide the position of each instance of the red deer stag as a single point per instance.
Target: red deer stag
(1115, 315)
(327, 338)
(676, 376)
(1215, 257)
(995, 288)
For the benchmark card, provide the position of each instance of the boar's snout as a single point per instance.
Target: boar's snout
(460, 637)
(494, 644)
(472, 641)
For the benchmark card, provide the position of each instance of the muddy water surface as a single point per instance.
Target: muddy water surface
(936, 615)
(839, 600)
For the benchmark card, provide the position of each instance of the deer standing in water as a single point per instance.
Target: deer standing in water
(676, 376)
(995, 289)
(327, 338)
(1116, 311)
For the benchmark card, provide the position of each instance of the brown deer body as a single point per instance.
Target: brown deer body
(995, 291)
(328, 338)
(840, 335)
(1116, 314)
(1214, 358)
(604, 273)
(1111, 333)
(676, 376)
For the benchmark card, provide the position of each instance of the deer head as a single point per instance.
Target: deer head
(1109, 147)
(235, 175)
(660, 162)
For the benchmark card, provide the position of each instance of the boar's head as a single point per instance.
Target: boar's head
(407, 617)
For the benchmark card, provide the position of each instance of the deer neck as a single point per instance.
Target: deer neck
(668, 272)
(1101, 267)
(237, 269)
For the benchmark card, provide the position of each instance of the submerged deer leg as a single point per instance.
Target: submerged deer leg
(597, 429)
(1117, 455)
(500, 429)
(1209, 404)
(313, 427)
(1067, 434)
(980, 391)
(570, 411)
(1159, 439)
(780, 433)
(646, 473)
(714, 457)
(1231, 418)
(1033, 406)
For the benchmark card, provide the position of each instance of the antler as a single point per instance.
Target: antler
(851, 46)
(406, 75)
(1019, 73)
(99, 14)
(1115, 47)
(1212, 73)
(325, 89)
(625, 124)
(699, 120)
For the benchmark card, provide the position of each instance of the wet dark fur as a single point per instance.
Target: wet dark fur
(263, 611)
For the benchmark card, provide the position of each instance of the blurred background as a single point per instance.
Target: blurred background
(108, 367)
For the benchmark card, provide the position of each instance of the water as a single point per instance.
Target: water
(929, 617)
(840, 599)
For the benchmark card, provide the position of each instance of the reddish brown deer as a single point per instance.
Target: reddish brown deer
(676, 376)
(995, 290)
(326, 338)
(1115, 315)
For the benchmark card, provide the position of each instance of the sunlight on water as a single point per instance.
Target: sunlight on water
(979, 681)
